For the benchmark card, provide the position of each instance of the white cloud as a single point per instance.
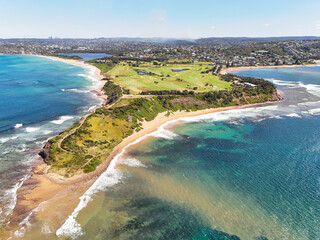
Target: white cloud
(212, 27)
(317, 26)
(267, 24)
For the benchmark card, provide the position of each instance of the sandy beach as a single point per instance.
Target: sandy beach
(48, 189)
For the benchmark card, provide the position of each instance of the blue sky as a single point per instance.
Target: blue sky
(162, 18)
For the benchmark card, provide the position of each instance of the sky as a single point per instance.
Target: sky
(161, 18)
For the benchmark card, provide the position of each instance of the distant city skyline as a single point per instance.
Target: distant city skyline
(166, 19)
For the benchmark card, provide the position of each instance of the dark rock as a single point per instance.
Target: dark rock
(45, 152)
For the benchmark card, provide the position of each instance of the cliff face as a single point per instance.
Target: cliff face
(45, 152)
(276, 96)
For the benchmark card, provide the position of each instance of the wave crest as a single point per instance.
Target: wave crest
(62, 119)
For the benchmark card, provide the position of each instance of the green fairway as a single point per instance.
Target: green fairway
(138, 77)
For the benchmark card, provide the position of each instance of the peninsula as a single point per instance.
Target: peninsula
(137, 92)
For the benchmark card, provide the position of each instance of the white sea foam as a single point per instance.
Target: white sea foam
(91, 75)
(11, 195)
(75, 90)
(62, 119)
(81, 75)
(131, 162)
(277, 117)
(19, 233)
(20, 148)
(293, 115)
(163, 133)
(46, 132)
(32, 129)
(46, 229)
(315, 111)
(311, 88)
(282, 83)
(91, 108)
(236, 114)
(18, 125)
(6, 139)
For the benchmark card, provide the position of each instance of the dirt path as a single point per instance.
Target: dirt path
(81, 121)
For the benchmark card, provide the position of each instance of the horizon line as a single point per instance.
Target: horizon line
(176, 38)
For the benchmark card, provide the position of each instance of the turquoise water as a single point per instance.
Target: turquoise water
(39, 98)
(242, 174)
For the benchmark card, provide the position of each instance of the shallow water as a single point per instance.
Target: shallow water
(241, 174)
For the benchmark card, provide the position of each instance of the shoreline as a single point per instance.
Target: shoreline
(233, 69)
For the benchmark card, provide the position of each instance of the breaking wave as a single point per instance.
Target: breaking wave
(131, 162)
(163, 133)
(18, 125)
(32, 129)
(75, 90)
(314, 111)
(62, 119)
(6, 139)
(293, 115)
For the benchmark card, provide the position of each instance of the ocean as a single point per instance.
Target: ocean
(39, 98)
(251, 173)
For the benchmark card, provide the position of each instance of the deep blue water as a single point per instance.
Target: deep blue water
(87, 56)
(39, 98)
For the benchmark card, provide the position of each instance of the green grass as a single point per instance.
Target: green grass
(163, 78)
(104, 67)
(89, 145)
